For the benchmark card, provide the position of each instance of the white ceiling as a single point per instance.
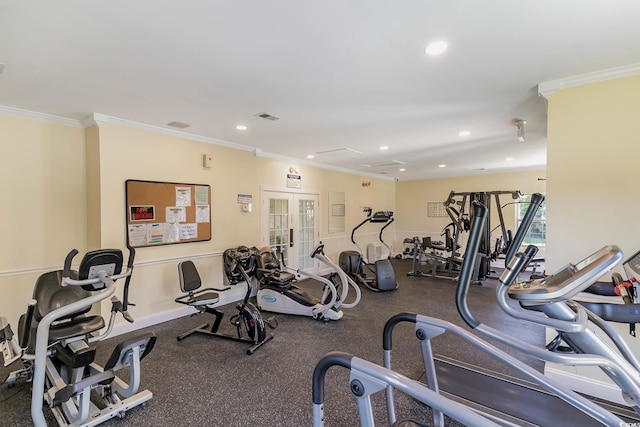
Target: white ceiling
(339, 73)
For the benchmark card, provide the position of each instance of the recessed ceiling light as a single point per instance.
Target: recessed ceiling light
(442, 166)
(310, 156)
(402, 169)
(436, 48)
(241, 127)
(508, 159)
(464, 133)
(384, 147)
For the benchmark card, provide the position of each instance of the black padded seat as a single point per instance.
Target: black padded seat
(78, 326)
(50, 296)
(268, 271)
(190, 282)
(279, 278)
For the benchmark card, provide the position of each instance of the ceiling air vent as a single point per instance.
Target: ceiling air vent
(386, 163)
(338, 153)
(178, 125)
(268, 116)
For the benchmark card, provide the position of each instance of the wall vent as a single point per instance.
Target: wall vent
(268, 116)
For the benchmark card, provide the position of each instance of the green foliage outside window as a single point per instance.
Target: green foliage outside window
(537, 234)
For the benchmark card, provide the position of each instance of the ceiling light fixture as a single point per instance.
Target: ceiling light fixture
(464, 133)
(442, 166)
(310, 156)
(402, 169)
(436, 48)
(384, 147)
(241, 127)
(519, 124)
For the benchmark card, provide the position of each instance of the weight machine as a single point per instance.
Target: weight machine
(458, 208)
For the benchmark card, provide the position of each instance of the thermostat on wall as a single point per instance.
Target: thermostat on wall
(207, 160)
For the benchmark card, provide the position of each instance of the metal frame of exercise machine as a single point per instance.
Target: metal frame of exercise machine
(552, 296)
(56, 344)
(279, 293)
(241, 265)
(352, 262)
(448, 267)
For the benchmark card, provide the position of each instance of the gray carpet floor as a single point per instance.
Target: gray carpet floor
(206, 381)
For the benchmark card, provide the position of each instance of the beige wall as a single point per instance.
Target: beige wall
(42, 177)
(66, 188)
(412, 198)
(592, 157)
(592, 170)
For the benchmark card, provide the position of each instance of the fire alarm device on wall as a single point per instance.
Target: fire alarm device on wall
(207, 160)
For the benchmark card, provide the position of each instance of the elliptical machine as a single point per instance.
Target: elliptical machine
(352, 262)
(278, 293)
(56, 343)
(589, 340)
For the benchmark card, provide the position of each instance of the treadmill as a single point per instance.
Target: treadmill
(540, 401)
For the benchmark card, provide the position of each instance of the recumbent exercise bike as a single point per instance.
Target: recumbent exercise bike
(57, 343)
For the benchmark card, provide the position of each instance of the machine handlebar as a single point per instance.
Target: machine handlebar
(66, 272)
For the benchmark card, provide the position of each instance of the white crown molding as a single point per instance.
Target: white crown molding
(103, 118)
(95, 119)
(40, 116)
(549, 88)
(266, 155)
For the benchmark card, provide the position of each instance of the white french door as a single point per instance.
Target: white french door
(290, 226)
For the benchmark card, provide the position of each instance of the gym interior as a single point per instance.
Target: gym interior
(64, 188)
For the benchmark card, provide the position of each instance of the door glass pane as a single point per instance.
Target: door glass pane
(306, 214)
(279, 227)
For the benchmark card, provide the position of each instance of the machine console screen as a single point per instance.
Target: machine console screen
(570, 280)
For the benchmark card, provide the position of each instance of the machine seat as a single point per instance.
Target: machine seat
(190, 284)
(268, 270)
(278, 278)
(50, 295)
(76, 327)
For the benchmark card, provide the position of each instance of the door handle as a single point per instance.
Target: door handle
(291, 237)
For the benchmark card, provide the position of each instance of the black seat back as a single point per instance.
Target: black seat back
(241, 256)
(189, 277)
(50, 295)
(267, 260)
(108, 260)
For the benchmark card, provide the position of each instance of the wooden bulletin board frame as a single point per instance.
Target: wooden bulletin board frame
(166, 213)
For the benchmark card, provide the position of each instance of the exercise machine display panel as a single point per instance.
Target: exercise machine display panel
(633, 263)
(568, 281)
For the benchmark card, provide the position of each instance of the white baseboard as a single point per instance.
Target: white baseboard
(154, 319)
(590, 386)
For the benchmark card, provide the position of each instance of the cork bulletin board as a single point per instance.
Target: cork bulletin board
(165, 213)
